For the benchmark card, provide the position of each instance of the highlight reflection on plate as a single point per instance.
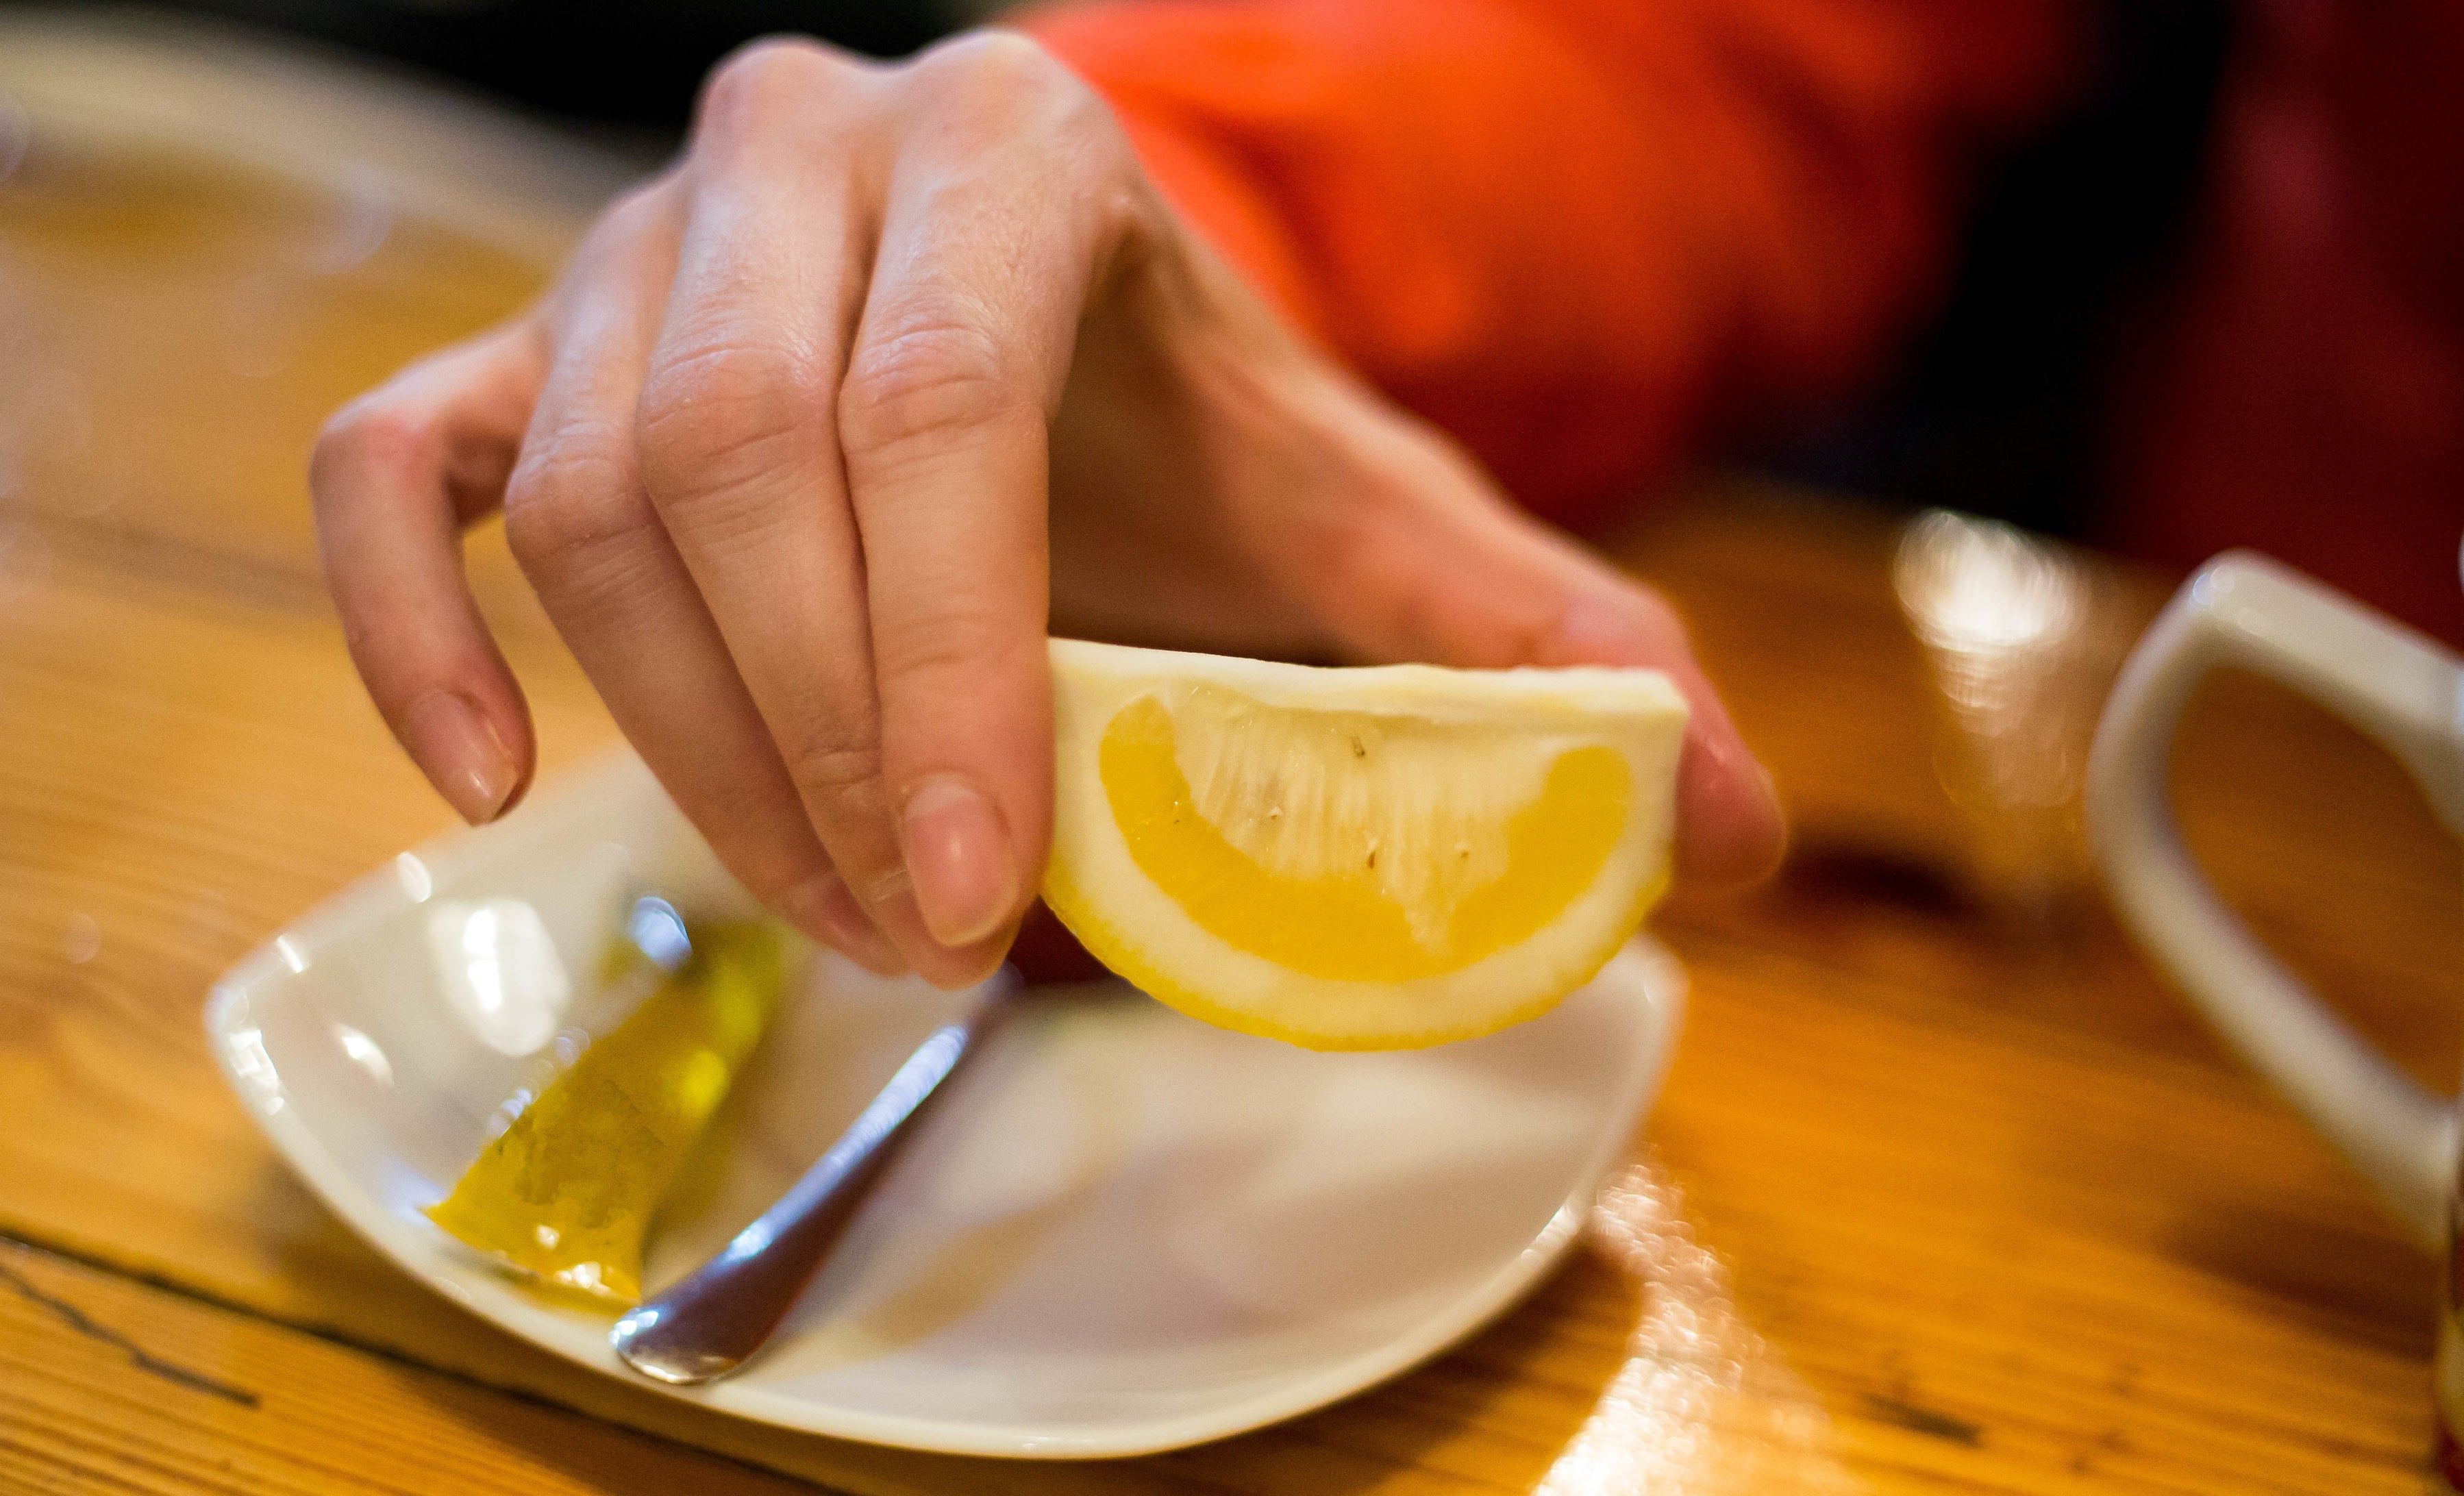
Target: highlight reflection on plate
(1126, 1231)
(499, 971)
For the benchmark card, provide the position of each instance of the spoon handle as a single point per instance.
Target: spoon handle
(707, 1324)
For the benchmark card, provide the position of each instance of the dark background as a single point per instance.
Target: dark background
(1992, 407)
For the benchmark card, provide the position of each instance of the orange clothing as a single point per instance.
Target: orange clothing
(1589, 237)
(1577, 234)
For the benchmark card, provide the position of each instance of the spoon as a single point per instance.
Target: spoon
(714, 1321)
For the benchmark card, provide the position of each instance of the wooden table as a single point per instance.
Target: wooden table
(1934, 1201)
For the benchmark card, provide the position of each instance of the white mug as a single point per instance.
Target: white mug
(2384, 678)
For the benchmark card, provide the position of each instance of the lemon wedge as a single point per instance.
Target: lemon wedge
(565, 1195)
(1356, 859)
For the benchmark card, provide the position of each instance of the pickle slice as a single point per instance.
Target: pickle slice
(568, 1192)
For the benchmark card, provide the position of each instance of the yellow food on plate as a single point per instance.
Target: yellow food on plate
(1356, 859)
(568, 1191)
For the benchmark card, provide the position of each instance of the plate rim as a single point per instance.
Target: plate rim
(503, 1305)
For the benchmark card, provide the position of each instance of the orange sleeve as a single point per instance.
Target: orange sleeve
(1579, 234)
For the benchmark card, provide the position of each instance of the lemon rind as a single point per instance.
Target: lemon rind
(1105, 941)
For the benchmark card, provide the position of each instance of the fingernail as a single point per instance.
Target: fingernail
(830, 913)
(1732, 830)
(458, 749)
(1763, 777)
(960, 859)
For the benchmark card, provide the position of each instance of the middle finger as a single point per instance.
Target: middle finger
(740, 454)
(592, 547)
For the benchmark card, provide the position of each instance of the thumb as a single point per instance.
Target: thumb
(1435, 565)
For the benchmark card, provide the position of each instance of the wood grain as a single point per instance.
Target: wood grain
(1934, 1201)
(108, 1383)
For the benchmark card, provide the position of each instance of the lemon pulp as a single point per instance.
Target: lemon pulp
(568, 1191)
(1309, 891)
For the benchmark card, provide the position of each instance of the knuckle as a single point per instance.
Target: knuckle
(995, 63)
(369, 433)
(999, 86)
(712, 418)
(932, 654)
(622, 223)
(837, 775)
(628, 215)
(1533, 634)
(762, 78)
(930, 377)
(1652, 613)
(565, 514)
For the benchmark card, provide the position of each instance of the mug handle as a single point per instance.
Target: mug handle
(2242, 609)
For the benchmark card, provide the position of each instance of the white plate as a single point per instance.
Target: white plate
(1126, 1231)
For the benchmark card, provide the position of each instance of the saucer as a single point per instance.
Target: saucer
(1123, 1231)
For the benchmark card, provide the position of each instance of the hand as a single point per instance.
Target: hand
(821, 427)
